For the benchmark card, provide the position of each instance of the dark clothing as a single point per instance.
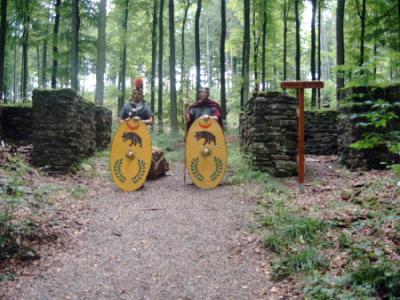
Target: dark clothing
(140, 109)
(201, 108)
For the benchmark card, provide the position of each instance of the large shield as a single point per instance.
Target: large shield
(130, 157)
(206, 153)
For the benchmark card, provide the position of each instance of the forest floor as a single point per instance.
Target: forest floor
(254, 237)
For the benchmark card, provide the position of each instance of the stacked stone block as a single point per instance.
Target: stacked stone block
(321, 132)
(354, 102)
(268, 133)
(16, 125)
(64, 129)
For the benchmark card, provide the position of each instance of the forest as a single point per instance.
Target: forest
(256, 200)
(234, 47)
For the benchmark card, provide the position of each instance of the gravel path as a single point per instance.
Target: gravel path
(166, 241)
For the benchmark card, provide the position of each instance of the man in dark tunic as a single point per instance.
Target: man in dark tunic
(137, 108)
(204, 107)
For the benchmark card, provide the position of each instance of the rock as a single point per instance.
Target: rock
(86, 167)
(159, 164)
(28, 255)
(355, 102)
(268, 132)
(66, 129)
(321, 132)
(16, 125)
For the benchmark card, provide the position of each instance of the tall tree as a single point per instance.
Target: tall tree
(153, 56)
(313, 48)
(255, 45)
(25, 49)
(122, 73)
(75, 22)
(362, 13)
(244, 92)
(298, 54)
(3, 33)
(55, 44)
(340, 52)
(319, 53)
(43, 79)
(172, 72)
(186, 4)
(222, 58)
(160, 65)
(101, 52)
(197, 44)
(286, 9)
(263, 47)
(398, 28)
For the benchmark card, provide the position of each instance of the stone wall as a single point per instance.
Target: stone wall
(321, 132)
(64, 129)
(16, 125)
(268, 133)
(103, 127)
(354, 102)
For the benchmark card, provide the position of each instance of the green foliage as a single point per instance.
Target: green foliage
(172, 145)
(381, 116)
(307, 260)
(241, 172)
(20, 208)
(371, 280)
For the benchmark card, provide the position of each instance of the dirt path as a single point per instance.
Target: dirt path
(166, 241)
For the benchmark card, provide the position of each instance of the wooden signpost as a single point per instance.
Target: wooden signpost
(300, 86)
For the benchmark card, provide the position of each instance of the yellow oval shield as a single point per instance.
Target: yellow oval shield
(206, 153)
(130, 156)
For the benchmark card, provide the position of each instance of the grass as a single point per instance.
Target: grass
(79, 192)
(305, 242)
(242, 173)
(25, 204)
(306, 260)
(171, 143)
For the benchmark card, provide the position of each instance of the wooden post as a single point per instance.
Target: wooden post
(300, 86)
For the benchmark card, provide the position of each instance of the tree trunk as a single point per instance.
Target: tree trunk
(313, 48)
(3, 34)
(75, 44)
(255, 53)
(55, 45)
(160, 66)
(153, 56)
(122, 74)
(38, 62)
(319, 53)
(183, 67)
(398, 15)
(15, 67)
(222, 58)
(263, 47)
(197, 44)
(43, 79)
(244, 93)
(286, 10)
(362, 15)
(375, 54)
(298, 57)
(172, 71)
(101, 52)
(208, 61)
(25, 45)
(340, 53)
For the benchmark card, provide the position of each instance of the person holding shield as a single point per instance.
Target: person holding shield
(204, 107)
(137, 107)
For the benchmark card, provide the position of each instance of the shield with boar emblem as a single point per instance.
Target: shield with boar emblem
(130, 157)
(206, 153)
